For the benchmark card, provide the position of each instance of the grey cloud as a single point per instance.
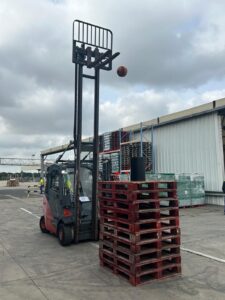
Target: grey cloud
(47, 111)
(21, 144)
(157, 43)
(166, 49)
(12, 85)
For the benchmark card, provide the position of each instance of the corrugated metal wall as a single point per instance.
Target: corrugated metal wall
(214, 200)
(192, 146)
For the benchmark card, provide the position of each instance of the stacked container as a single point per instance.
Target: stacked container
(115, 136)
(197, 190)
(101, 143)
(115, 159)
(125, 156)
(190, 189)
(139, 230)
(110, 141)
(107, 141)
(133, 149)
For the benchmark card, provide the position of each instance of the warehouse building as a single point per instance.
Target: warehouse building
(189, 141)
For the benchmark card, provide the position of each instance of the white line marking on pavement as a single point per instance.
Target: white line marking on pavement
(29, 212)
(204, 255)
(13, 197)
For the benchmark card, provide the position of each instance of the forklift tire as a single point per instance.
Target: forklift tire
(42, 225)
(65, 234)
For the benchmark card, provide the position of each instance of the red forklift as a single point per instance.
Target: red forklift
(70, 204)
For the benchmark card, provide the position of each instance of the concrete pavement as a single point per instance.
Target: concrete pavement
(34, 266)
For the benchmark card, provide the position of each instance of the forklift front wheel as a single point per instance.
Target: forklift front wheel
(65, 234)
(42, 225)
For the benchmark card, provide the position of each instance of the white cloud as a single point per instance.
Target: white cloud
(174, 54)
(3, 126)
(138, 107)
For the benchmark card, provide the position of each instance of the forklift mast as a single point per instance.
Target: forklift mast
(92, 49)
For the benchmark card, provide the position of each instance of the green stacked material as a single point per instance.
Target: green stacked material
(184, 189)
(160, 176)
(197, 190)
(115, 159)
(124, 177)
(190, 187)
(166, 176)
(150, 176)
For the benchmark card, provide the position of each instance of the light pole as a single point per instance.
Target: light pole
(33, 156)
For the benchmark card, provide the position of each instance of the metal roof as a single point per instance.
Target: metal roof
(206, 108)
(203, 109)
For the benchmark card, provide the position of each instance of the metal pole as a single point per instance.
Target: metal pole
(42, 165)
(75, 104)
(130, 135)
(120, 141)
(95, 157)
(141, 133)
(78, 146)
(152, 140)
(75, 129)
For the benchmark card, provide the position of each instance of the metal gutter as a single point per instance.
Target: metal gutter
(217, 106)
(214, 193)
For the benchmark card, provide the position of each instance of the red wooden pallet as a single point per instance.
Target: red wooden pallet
(143, 234)
(127, 247)
(140, 268)
(169, 261)
(148, 250)
(165, 213)
(169, 231)
(127, 212)
(147, 275)
(131, 217)
(162, 194)
(134, 238)
(136, 209)
(174, 249)
(142, 225)
(125, 243)
(133, 279)
(135, 216)
(158, 249)
(135, 205)
(168, 222)
(165, 238)
(131, 258)
(132, 186)
(171, 239)
(128, 195)
(138, 204)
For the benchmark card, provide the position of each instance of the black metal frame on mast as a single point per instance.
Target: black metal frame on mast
(93, 49)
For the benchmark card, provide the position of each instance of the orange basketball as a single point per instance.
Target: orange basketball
(122, 71)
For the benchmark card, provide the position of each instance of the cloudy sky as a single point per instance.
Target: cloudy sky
(174, 51)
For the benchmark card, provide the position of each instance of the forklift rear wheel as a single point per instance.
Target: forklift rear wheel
(42, 225)
(65, 234)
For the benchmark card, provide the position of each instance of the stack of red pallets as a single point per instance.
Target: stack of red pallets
(139, 229)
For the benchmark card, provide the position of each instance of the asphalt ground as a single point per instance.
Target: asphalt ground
(34, 266)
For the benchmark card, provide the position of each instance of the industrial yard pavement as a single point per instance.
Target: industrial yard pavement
(34, 266)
